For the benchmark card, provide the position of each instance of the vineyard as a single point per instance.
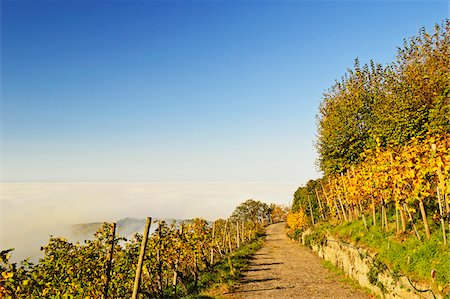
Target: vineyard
(175, 261)
(384, 141)
(384, 149)
(401, 182)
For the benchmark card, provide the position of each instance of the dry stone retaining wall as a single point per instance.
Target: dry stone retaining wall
(367, 269)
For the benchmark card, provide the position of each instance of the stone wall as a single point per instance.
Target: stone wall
(367, 269)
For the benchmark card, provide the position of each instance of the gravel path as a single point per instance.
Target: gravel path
(284, 269)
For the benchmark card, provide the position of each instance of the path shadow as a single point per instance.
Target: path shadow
(258, 269)
(263, 289)
(256, 280)
(267, 264)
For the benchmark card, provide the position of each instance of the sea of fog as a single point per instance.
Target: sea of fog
(31, 212)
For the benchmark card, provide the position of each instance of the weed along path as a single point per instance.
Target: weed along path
(284, 269)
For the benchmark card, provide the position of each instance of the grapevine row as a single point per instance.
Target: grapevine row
(411, 182)
(175, 258)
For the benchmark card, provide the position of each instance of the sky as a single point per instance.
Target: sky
(181, 90)
(173, 109)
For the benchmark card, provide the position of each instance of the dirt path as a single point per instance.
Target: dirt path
(284, 269)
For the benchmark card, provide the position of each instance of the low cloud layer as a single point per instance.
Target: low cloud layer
(30, 212)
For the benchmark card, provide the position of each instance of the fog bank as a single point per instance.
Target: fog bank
(31, 212)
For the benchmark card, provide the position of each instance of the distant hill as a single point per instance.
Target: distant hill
(85, 229)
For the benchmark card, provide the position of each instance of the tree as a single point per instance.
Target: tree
(278, 213)
(377, 106)
(251, 210)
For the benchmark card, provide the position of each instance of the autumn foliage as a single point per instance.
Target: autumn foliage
(176, 259)
(384, 143)
(374, 105)
(297, 220)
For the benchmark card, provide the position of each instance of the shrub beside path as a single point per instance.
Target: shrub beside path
(284, 269)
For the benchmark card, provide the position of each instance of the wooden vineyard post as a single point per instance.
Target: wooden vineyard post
(363, 215)
(174, 282)
(374, 212)
(340, 202)
(384, 216)
(412, 222)
(346, 197)
(403, 220)
(320, 205)
(195, 272)
(224, 239)
(229, 239)
(357, 207)
(237, 235)
(332, 201)
(137, 278)
(212, 242)
(109, 261)
(397, 226)
(219, 249)
(442, 216)
(310, 210)
(338, 210)
(242, 232)
(424, 218)
(159, 262)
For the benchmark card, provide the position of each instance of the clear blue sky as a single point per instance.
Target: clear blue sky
(181, 90)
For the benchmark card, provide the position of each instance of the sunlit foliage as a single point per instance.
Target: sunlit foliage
(387, 105)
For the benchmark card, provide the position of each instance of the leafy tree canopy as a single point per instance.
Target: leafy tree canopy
(374, 105)
(251, 210)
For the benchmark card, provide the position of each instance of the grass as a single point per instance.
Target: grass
(403, 254)
(225, 274)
